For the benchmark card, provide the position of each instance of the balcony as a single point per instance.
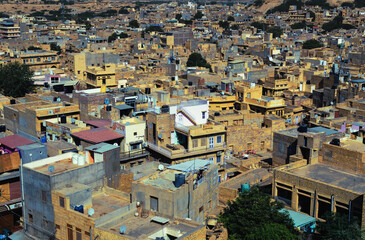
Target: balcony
(130, 155)
(174, 152)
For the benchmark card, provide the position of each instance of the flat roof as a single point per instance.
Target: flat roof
(104, 203)
(97, 135)
(14, 141)
(101, 147)
(353, 145)
(332, 176)
(327, 131)
(142, 228)
(190, 165)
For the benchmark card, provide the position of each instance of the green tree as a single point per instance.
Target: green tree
(16, 80)
(336, 23)
(311, 44)
(197, 60)
(230, 19)
(133, 24)
(235, 27)
(299, 25)
(258, 3)
(178, 16)
(253, 215)
(87, 25)
(154, 29)
(55, 47)
(276, 31)
(259, 25)
(338, 226)
(223, 24)
(115, 36)
(123, 10)
(198, 15)
(359, 3)
(34, 48)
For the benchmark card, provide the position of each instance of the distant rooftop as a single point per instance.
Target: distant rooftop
(14, 141)
(98, 135)
(332, 176)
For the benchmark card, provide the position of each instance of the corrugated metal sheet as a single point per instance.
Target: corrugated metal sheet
(14, 141)
(97, 135)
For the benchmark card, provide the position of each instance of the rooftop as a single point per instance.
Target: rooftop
(98, 123)
(98, 135)
(101, 147)
(61, 163)
(353, 145)
(332, 176)
(14, 141)
(147, 228)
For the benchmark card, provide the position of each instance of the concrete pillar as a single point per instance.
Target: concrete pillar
(294, 199)
(314, 205)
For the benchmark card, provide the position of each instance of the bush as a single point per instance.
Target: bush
(311, 44)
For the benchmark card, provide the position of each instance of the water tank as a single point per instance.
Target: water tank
(79, 208)
(245, 187)
(74, 158)
(43, 139)
(165, 109)
(179, 179)
(122, 229)
(63, 119)
(81, 160)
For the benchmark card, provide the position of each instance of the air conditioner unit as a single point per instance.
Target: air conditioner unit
(50, 112)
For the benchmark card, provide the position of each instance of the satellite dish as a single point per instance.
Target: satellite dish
(160, 167)
(122, 229)
(115, 144)
(51, 169)
(90, 212)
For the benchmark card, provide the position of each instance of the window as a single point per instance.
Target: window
(204, 115)
(44, 196)
(132, 164)
(219, 179)
(140, 162)
(201, 209)
(58, 226)
(104, 81)
(30, 217)
(211, 159)
(154, 203)
(135, 133)
(219, 159)
(78, 72)
(78, 234)
(211, 142)
(203, 142)
(62, 202)
(195, 143)
(219, 139)
(87, 233)
(70, 232)
(180, 117)
(45, 222)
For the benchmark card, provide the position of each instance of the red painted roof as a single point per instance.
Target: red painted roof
(98, 123)
(97, 135)
(14, 141)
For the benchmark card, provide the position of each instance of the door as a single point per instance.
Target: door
(154, 203)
